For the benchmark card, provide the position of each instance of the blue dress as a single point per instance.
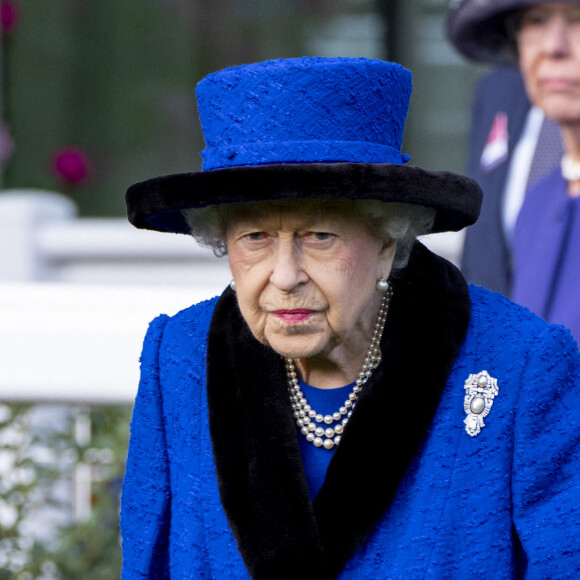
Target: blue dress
(317, 459)
(215, 486)
(546, 249)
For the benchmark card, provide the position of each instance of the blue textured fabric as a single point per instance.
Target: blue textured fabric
(317, 459)
(503, 504)
(304, 110)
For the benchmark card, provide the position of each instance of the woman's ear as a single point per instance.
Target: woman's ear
(386, 257)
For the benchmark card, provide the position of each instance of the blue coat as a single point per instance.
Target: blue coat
(214, 486)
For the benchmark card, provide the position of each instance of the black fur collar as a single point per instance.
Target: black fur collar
(280, 533)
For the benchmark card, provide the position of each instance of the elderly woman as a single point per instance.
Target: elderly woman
(543, 38)
(324, 417)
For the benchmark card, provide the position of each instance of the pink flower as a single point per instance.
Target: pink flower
(9, 14)
(71, 165)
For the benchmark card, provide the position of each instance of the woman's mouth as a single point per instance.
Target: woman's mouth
(557, 83)
(294, 316)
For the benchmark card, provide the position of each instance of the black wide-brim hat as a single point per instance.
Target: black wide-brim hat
(308, 128)
(477, 28)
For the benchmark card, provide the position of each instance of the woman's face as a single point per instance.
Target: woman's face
(306, 276)
(548, 41)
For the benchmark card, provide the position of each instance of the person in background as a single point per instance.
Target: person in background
(545, 38)
(349, 407)
(512, 144)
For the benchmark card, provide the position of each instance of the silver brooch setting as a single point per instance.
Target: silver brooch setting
(480, 390)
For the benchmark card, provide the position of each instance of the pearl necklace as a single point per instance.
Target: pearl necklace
(310, 422)
(570, 168)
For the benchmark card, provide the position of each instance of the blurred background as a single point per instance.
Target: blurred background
(95, 95)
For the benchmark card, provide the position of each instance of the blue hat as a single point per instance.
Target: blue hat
(305, 128)
(305, 110)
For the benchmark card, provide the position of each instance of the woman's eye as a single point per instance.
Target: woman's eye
(534, 18)
(255, 236)
(321, 236)
(573, 16)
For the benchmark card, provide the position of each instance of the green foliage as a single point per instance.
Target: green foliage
(118, 80)
(43, 449)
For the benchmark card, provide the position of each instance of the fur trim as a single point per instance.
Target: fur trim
(156, 204)
(280, 532)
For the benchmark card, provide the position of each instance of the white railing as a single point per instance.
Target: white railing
(76, 296)
(41, 239)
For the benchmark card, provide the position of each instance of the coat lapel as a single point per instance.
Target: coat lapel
(425, 328)
(261, 481)
(263, 490)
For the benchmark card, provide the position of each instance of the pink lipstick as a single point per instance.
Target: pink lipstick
(557, 83)
(294, 316)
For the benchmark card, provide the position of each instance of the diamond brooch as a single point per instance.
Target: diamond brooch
(480, 390)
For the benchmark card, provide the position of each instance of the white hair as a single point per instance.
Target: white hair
(398, 222)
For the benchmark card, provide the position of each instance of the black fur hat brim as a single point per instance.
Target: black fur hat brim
(156, 204)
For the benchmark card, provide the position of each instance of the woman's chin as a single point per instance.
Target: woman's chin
(297, 346)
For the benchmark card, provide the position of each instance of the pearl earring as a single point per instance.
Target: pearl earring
(233, 285)
(382, 285)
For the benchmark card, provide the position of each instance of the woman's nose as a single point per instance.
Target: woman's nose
(557, 38)
(287, 266)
